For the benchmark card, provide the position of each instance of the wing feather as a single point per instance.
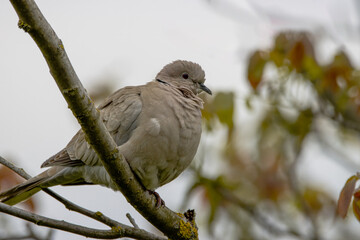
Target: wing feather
(119, 112)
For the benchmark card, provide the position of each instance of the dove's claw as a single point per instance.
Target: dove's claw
(159, 201)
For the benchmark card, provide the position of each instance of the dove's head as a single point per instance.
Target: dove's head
(184, 74)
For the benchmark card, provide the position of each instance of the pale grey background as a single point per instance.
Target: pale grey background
(129, 41)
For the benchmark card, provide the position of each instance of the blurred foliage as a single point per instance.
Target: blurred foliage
(255, 193)
(219, 108)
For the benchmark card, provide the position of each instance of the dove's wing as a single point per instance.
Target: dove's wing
(119, 112)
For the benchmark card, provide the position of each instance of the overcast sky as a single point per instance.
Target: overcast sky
(130, 41)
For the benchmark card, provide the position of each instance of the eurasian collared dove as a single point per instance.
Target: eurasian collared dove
(156, 126)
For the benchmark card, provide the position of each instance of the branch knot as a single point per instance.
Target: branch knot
(24, 26)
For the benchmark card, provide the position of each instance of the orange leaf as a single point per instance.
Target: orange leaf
(296, 55)
(345, 196)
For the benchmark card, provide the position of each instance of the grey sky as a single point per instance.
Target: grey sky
(131, 41)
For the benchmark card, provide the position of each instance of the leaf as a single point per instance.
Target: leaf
(312, 69)
(256, 66)
(224, 108)
(296, 55)
(345, 196)
(342, 61)
(340, 67)
(277, 58)
(291, 49)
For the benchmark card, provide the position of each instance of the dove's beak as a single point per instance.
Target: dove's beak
(205, 89)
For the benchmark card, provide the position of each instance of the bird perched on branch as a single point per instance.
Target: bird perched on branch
(156, 126)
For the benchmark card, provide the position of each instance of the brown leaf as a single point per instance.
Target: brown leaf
(345, 196)
(296, 55)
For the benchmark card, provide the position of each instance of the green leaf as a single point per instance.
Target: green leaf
(312, 70)
(255, 68)
(224, 108)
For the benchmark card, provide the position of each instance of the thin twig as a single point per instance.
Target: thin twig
(14, 168)
(132, 220)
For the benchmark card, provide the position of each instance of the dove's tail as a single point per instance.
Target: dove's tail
(56, 175)
(22, 191)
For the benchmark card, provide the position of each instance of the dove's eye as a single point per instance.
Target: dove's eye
(185, 76)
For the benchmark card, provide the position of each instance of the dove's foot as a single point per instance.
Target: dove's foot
(159, 201)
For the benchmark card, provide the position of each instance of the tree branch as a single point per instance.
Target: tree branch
(115, 232)
(33, 22)
(132, 220)
(135, 231)
(68, 204)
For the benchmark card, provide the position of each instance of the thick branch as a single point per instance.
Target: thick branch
(33, 22)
